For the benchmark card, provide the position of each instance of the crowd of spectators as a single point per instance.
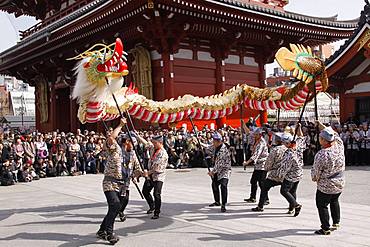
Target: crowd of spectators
(27, 157)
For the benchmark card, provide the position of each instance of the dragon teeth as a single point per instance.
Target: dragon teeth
(300, 74)
(295, 73)
(305, 74)
(113, 69)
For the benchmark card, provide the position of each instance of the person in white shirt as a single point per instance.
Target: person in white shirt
(364, 144)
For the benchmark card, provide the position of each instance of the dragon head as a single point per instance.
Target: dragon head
(301, 61)
(100, 72)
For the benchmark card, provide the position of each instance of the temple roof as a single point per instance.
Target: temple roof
(97, 16)
(291, 16)
(363, 26)
(44, 32)
(34, 8)
(270, 7)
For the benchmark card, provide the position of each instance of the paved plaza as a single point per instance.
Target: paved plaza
(67, 211)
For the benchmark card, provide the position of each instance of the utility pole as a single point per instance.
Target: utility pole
(22, 110)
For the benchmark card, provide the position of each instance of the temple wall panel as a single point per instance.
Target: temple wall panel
(348, 104)
(241, 74)
(158, 84)
(194, 77)
(63, 109)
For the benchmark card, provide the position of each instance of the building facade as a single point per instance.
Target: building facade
(176, 47)
(17, 104)
(349, 73)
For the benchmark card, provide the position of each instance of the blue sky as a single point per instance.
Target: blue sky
(346, 9)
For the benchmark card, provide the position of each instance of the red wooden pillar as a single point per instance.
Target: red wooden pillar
(220, 83)
(168, 73)
(343, 108)
(262, 77)
(73, 116)
(52, 109)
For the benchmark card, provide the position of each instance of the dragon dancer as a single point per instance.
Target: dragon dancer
(155, 175)
(111, 185)
(131, 170)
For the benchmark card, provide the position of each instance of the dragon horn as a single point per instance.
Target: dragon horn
(294, 48)
(303, 48)
(117, 53)
(309, 50)
(286, 58)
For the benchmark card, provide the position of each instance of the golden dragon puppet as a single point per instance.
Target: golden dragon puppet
(100, 74)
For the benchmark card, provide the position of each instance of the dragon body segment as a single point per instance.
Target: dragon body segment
(101, 74)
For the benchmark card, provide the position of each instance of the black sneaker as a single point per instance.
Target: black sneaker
(267, 202)
(215, 204)
(322, 232)
(151, 210)
(154, 217)
(257, 209)
(101, 235)
(334, 227)
(122, 216)
(223, 209)
(250, 200)
(297, 210)
(112, 238)
(290, 211)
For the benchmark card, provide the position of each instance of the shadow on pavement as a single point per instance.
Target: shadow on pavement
(183, 211)
(257, 235)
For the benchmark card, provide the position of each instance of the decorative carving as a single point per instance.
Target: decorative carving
(365, 14)
(42, 99)
(141, 71)
(367, 50)
(150, 4)
(364, 40)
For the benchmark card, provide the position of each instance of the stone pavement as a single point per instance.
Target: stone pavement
(66, 211)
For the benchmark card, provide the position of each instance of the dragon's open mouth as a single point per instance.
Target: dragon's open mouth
(116, 64)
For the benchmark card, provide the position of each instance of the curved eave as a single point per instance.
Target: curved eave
(347, 50)
(58, 40)
(65, 21)
(11, 8)
(285, 16)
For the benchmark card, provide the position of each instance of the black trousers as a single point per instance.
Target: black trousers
(113, 208)
(322, 202)
(364, 156)
(239, 157)
(267, 185)
(147, 188)
(216, 183)
(259, 177)
(352, 157)
(289, 191)
(124, 201)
